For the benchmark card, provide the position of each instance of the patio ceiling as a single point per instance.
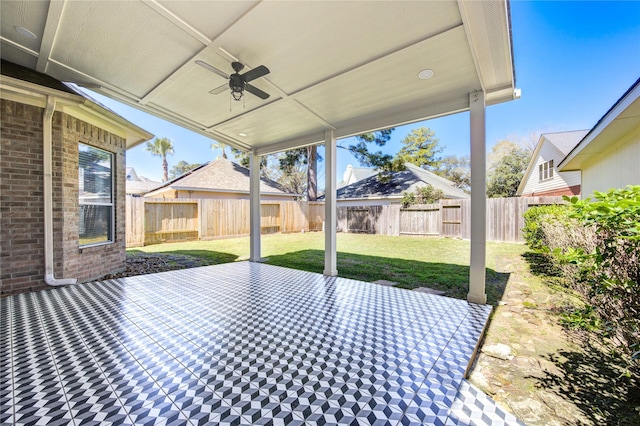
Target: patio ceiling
(349, 67)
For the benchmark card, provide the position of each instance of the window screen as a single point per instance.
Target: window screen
(95, 184)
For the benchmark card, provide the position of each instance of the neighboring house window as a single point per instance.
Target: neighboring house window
(95, 186)
(545, 170)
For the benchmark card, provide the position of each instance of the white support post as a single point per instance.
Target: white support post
(254, 208)
(477, 273)
(330, 221)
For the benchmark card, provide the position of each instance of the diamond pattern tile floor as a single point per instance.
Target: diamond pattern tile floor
(240, 343)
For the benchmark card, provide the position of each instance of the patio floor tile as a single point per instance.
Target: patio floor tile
(240, 343)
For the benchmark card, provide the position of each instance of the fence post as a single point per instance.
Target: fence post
(199, 213)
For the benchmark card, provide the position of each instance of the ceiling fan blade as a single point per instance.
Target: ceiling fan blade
(259, 93)
(220, 89)
(212, 69)
(255, 73)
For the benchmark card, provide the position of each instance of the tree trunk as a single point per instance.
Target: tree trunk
(165, 168)
(312, 178)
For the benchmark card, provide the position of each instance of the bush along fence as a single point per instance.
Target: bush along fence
(153, 221)
(595, 246)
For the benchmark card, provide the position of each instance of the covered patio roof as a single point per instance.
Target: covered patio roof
(350, 67)
(336, 69)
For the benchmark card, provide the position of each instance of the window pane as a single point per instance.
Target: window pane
(95, 224)
(94, 175)
(95, 179)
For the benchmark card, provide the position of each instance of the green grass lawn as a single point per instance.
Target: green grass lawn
(412, 262)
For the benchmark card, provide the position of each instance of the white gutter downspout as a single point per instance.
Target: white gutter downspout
(47, 140)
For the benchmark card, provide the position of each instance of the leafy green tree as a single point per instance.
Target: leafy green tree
(457, 170)
(505, 175)
(308, 157)
(424, 195)
(161, 147)
(292, 161)
(221, 146)
(244, 159)
(376, 159)
(181, 168)
(291, 176)
(420, 147)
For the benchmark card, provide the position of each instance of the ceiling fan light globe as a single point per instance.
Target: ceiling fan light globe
(236, 92)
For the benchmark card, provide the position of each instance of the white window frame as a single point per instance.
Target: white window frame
(84, 202)
(545, 171)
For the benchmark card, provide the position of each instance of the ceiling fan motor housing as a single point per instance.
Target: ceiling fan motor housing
(237, 66)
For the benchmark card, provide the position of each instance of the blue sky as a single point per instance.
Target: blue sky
(573, 60)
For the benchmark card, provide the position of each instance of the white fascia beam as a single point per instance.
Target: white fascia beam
(313, 139)
(477, 272)
(54, 15)
(372, 124)
(330, 221)
(621, 106)
(487, 25)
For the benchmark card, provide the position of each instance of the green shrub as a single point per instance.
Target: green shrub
(534, 220)
(424, 195)
(552, 231)
(596, 246)
(583, 319)
(611, 271)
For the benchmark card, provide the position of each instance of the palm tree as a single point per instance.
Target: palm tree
(220, 145)
(161, 147)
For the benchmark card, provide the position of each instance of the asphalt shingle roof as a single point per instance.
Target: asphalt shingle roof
(221, 175)
(408, 180)
(566, 141)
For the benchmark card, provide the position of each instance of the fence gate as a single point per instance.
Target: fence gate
(316, 216)
(170, 221)
(420, 220)
(358, 220)
(451, 218)
(269, 218)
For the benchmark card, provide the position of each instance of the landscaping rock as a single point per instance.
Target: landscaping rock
(430, 291)
(385, 282)
(499, 350)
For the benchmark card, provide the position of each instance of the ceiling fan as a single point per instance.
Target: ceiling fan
(238, 83)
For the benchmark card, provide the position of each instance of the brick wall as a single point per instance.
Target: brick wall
(568, 191)
(91, 262)
(21, 198)
(22, 203)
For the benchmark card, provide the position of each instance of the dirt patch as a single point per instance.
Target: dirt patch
(531, 366)
(151, 263)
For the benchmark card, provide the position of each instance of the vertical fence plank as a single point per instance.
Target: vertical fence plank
(150, 221)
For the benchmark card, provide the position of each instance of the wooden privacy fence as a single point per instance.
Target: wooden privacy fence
(447, 218)
(152, 221)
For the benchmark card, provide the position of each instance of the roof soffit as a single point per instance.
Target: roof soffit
(331, 69)
(614, 127)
